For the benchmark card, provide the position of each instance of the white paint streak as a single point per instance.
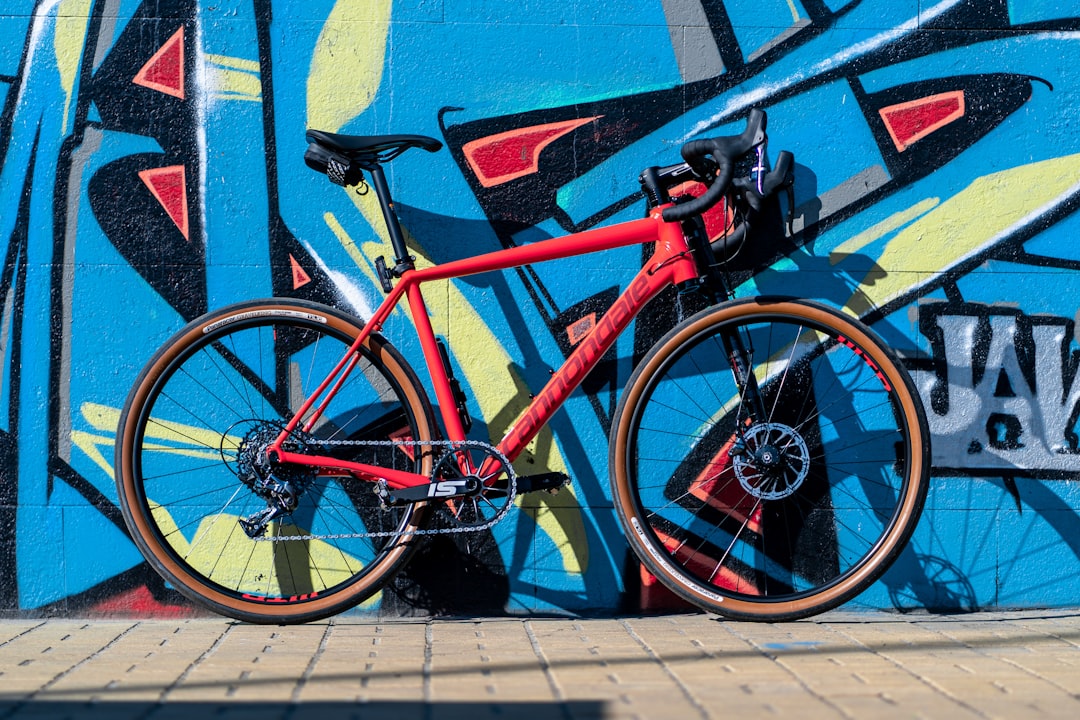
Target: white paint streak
(36, 31)
(200, 98)
(745, 100)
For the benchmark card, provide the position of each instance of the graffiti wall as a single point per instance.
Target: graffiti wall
(151, 169)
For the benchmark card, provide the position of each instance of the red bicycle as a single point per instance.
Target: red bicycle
(278, 461)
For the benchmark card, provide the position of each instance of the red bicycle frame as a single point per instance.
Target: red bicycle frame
(671, 263)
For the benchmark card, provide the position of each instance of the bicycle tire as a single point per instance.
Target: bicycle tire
(702, 497)
(226, 382)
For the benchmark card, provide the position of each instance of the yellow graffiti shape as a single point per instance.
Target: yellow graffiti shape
(232, 78)
(220, 550)
(889, 225)
(71, 19)
(347, 64)
(92, 445)
(172, 437)
(100, 417)
(985, 212)
(187, 440)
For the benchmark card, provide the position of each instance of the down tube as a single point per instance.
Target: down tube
(645, 286)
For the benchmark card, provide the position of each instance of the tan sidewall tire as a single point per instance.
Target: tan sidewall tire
(148, 539)
(887, 548)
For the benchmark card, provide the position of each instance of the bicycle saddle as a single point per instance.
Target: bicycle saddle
(353, 146)
(342, 157)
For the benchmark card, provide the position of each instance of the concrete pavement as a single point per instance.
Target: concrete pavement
(840, 665)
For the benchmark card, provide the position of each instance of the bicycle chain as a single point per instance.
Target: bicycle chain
(511, 492)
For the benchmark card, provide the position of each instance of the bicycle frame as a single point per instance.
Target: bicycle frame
(671, 263)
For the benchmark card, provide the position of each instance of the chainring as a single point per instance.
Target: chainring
(448, 527)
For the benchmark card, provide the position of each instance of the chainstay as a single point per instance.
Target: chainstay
(511, 492)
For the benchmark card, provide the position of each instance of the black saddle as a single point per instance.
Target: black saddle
(342, 157)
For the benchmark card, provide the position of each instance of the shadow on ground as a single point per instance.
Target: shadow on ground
(375, 710)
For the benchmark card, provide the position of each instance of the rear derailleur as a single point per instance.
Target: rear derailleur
(281, 486)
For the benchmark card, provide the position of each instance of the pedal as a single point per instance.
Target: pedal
(551, 482)
(382, 491)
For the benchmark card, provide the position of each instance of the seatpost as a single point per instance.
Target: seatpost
(403, 260)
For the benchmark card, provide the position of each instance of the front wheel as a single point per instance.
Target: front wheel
(193, 434)
(778, 506)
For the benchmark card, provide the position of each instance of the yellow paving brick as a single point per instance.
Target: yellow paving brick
(1013, 665)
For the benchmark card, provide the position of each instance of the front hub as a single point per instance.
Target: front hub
(774, 461)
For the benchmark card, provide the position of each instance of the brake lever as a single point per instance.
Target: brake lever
(790, 192)
(759, 167)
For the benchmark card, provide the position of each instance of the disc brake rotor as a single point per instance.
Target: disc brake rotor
(773, 462)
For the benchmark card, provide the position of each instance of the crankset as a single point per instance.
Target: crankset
(468, 502)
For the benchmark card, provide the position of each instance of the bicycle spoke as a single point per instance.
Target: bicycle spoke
(783, 508)
(195, 443)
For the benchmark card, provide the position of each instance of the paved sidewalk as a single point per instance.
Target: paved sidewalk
(841, 665)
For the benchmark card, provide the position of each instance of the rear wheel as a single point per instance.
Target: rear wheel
(780, 509)
(189, 448)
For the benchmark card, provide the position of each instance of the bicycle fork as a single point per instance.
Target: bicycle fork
(750, 400)
(770, 459)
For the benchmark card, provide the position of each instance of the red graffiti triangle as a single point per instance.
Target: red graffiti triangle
(299, 276)
(169, 186)
(164, 71)
(910, 122)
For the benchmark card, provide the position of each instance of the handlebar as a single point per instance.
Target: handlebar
(717, 155)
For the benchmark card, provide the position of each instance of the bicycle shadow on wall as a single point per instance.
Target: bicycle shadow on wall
(923, 578)
(812, 525)
(917, 580)
(951, 582)
(444, 576)
(994, 513)
(943, 570)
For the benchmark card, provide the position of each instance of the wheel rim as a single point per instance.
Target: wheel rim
(708, 522)
(191, 502)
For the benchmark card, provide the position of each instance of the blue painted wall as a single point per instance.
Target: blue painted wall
(151, 168)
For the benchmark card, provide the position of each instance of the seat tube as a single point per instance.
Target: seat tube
(433, 359)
